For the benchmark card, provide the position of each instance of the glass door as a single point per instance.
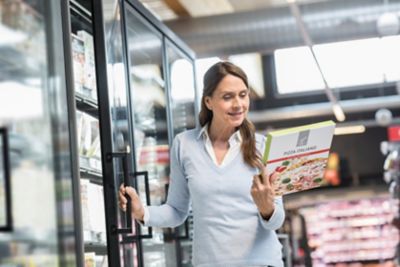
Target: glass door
(37, 179)
(183, 117)
(116, 137)
(88, 152)
(182, 88)
(150, 127)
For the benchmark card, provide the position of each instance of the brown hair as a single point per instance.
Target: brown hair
(212, 78)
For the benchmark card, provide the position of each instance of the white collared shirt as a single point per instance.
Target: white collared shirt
(235, 142)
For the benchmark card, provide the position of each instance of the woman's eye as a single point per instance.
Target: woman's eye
(244, 94)
(226, 97)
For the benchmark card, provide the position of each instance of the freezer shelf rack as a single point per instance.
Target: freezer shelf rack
(94, 176)
(87, 105)
(98, 248)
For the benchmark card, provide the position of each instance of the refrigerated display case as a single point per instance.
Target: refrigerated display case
(183, 113)
(75, 76)
(138, 109)
(391, 175)
(88, 152)
(41, 188)
(349, 232)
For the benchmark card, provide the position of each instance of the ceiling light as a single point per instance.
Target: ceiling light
(10, 36)
(354, 129)
(207, 7)
(338, 111)
(295, 10)
(20, 102)
(388, 24)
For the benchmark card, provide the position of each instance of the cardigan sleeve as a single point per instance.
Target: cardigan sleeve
(175, 211)
(277, 217)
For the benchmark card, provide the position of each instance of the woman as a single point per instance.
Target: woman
(216, 168)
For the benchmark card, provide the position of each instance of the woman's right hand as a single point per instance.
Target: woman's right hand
(136, 204)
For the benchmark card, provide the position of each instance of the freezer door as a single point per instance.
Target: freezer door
(181, 77)
(37, 226)
(150, 107)
(117, 136)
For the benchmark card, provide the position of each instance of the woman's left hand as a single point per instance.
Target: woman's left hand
(263, 194)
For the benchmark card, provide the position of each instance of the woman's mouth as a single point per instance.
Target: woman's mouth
(235, 114)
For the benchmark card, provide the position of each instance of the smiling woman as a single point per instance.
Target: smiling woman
(226, 91)
(216, 169)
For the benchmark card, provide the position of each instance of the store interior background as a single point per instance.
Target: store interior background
(356, 43)
(347, 222)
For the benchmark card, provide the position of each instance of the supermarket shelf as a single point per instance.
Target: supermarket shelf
(87, 105)
(361, 261)
(81, 10)
(350, 231)
(98, 248)
(93, 175)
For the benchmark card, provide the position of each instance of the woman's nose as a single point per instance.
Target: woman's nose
(236, 102)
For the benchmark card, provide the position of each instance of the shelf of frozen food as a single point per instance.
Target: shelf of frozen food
(356, 222)
(41, 238)
(17, 64)
(93, 164)
(355, 234)
(81, 9)
(86, 105)
(308, 198)
(376, 257)
(351, 230)
(81, 20)
(82, 48)
(98, 248)
(372, 244)
(93, 175)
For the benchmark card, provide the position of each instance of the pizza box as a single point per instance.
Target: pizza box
(298, 156)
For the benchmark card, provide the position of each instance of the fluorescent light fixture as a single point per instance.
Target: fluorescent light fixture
(10, 36)
(338, 112)
(354, 129)
(337, 109)
(20, 102)
(199, 8)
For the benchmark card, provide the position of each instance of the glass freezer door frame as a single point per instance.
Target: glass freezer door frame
(5, 189)
(115, 123)
(145, 45)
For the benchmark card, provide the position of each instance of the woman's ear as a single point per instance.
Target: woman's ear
(207, 101)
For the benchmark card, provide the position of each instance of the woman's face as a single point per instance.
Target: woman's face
(230, 102)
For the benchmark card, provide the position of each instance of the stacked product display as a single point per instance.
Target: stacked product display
(83, 64)
(348, 232)
(88, 142)
(392, 175)
(88, 138)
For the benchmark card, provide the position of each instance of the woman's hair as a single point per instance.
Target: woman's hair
(212, 78)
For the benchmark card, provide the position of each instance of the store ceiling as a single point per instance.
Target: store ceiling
(228, 27)
(178, 9)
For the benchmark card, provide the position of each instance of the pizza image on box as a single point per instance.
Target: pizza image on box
(298, 174)
(298, 156)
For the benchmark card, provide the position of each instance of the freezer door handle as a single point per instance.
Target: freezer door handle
(125, 170)
(133, 238)
(149, 234)
(186, 236)
(5, 185)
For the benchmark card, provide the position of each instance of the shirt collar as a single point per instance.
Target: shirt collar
(235, 137)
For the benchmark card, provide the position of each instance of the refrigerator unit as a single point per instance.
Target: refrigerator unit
(39, 214)
(134, 90)
(92, 94)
